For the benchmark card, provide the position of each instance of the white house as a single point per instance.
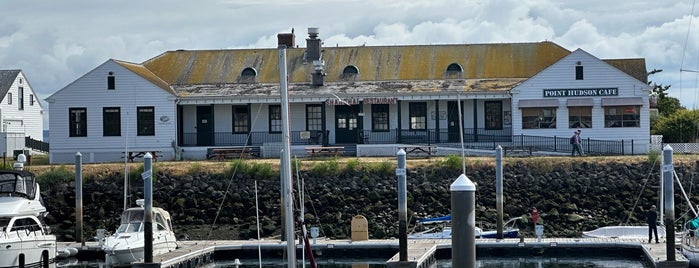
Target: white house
(369, 100)
(583, 92)
(21, 112)
(115, 108)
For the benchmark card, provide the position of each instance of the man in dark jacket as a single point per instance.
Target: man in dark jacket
(652, 220)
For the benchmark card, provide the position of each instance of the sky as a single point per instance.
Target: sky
(57, 42)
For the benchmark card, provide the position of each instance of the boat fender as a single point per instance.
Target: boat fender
(66, 252)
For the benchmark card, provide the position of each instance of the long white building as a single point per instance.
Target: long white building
(181, 104)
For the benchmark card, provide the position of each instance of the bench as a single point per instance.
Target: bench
(232, 153)
(523, 149)
(429, 150)
(324, 150)
(140, 154)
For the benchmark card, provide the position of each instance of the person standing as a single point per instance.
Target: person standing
(652, 220)
(575, 143)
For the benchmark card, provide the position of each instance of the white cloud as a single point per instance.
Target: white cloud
(55, 42)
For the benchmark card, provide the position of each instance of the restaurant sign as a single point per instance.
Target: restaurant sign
(581, 92)
(355, 101)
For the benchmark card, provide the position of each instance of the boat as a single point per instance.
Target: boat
(624, 232)
(126, 245)
(443, 231)
(25, 238)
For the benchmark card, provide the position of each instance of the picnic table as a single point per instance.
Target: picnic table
(237, 152)
(325, 150)
(518, 148)
(419, 149)
(140, 154)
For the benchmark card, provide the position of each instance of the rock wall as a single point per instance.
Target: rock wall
(571, 197)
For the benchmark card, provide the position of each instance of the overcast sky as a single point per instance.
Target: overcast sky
(56, 42)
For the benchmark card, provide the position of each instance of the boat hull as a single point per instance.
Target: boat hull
(132, 251)
(37, 251)
(626, 232)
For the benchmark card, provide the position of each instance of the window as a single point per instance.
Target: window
(379, 117)
(580, 117)
(111, 84)
(533, 118)
(241, 119)
(454, 68)
(314, 117)
(418, 115)
(275, 119)
(20, 98)
(31, 99)
(493, 115)
(20, 81)
(145, 124)
(111, 121)
(622, 116)
(248, 75)
(350, 69)
(248, 72)
(9, 98)
(578, 72)
(77, 122)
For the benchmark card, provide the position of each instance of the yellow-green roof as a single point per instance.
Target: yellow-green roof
(146, 74)
(379, 63)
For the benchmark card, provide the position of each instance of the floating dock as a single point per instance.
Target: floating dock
(422, 253)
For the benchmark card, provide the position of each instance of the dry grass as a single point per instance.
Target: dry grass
(184, 167)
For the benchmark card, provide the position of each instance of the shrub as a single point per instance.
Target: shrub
(352, 165)
(55, 175)
(330, 167)
(382, 168)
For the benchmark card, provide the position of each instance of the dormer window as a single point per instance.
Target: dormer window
(579, 71)
(111, 84)
(248, 75)
(454, 70)
(20, 81)
(350, 72)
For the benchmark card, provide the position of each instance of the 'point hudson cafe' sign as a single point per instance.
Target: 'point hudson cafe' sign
(580, 92)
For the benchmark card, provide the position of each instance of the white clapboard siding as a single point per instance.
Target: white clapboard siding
(90, 91)
(597, 74)
(29, 120)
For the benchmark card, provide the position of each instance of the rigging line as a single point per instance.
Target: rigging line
(684, 48)
(635, 203)
(230, 181)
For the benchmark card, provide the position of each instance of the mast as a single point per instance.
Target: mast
(285, 165)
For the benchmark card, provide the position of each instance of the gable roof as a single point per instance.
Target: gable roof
(380, 63)
(7, 78)
(146, 74)
(633, 67)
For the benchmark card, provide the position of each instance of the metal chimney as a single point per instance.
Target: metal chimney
(314, 55)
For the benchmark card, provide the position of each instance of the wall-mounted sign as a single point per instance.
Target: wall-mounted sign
(355, 101)
(580, 92)
(380, 100)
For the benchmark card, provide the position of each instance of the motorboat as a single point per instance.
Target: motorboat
(442, 230)
(624, 232)
(25, 238)
(126, 245)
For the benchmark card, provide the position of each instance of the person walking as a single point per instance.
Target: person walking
(575, 143)
(652, 220)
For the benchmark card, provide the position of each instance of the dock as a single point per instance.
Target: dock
(422, 253)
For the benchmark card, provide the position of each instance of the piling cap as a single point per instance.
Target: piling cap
(463, 184)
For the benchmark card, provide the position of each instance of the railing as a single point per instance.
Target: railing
(472, 138)
(36, 144)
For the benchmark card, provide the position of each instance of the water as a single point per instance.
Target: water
(490, 262)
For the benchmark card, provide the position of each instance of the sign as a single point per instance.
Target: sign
(580, 92)
(146, 174)
(400, 172)
(380, 100)
(355, 101)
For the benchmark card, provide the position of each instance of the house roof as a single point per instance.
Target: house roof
(146, 74)
(7, 78)
(381, 70)
(633, 67)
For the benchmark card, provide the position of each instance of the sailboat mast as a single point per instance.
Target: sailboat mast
(285, 165)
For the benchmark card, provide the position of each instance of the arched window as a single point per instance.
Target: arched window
(350, 69)
(249, 72)
(454, 68)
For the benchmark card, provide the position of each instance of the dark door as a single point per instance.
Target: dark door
(205, 126)
(346, 124)
(453, 121)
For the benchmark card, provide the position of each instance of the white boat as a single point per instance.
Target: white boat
(442, 231)
(623, 231)
(126, 245)
(24, 237)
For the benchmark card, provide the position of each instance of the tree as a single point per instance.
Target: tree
(679, 127)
